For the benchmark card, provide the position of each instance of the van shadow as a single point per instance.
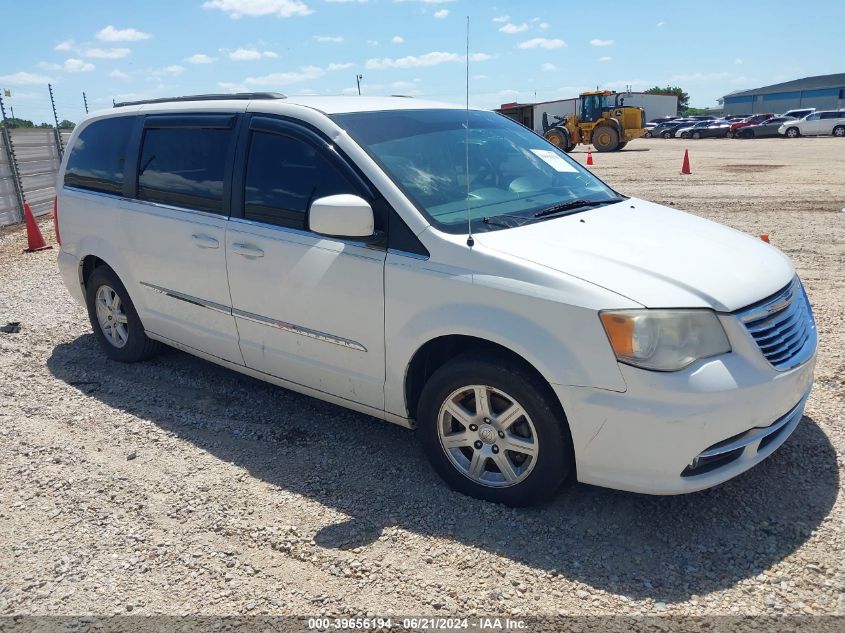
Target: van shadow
(667, 548)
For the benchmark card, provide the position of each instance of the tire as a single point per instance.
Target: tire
(696, 135)
(544, 455)
(792, 132)
(839, 131)
(559, 139)
(647, 134)
(666, 135)
(730, 134)
(605, 139)
(621, 146)
(116, 326)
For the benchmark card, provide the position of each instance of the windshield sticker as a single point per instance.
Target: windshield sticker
(553, 160)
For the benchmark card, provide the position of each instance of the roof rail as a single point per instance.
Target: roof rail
(208, 97)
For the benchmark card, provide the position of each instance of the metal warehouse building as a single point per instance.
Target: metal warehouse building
(825, 92)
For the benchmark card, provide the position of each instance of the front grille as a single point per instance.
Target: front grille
(783, 326)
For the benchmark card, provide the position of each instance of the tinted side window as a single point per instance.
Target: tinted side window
(283, 176)
(98, 156)
(833, 115)
(184, 167)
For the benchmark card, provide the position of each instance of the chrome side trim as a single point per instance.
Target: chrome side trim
(298, 329)
(293, 231)
(211, 305)
(257, 318)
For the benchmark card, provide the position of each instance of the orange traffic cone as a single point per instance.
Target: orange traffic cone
(685, 167)
(765, 237)
(589, 156)
(33, 234)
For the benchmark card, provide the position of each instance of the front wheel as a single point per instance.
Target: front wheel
(793, 132)
(667, 135)
(605, 139)
(558, 138)
(839, 131)
(696, 135)
(116, 324)
(491, 430)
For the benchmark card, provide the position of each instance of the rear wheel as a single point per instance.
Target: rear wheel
(491, 431)
(696, 135)
(115, 321)
(793, 132)
(666, 135)
(605, 139)
(839, 130)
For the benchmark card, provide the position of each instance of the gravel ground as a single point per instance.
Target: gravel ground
(178, 487)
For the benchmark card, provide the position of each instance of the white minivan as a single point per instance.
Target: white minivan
(443, 269)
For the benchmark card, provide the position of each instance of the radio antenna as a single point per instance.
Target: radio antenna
(470, 241)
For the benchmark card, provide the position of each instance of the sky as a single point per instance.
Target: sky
(519, 51)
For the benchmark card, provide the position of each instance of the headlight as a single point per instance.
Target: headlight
(664, 340)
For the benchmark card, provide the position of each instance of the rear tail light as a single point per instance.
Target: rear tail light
(56, 219)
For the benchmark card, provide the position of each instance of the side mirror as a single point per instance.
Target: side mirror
(344, 216)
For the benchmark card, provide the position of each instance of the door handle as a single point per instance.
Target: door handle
(205, 241)
(247, 250)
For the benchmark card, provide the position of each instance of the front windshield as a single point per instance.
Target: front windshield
(513, 173)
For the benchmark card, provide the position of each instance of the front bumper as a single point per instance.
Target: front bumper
(645, 439)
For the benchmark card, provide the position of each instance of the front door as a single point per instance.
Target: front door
(309, 309)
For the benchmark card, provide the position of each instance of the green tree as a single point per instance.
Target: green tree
(683, 97)
(15, 122)
(67, 125)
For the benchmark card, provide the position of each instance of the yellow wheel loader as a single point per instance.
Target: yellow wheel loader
(603, 121)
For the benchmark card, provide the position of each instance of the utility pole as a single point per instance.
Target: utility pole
(57, 134)
(358, 79)
(85, 101)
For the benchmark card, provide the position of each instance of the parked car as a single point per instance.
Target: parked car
(663, 119)
(800, 113)
(716, 129)
(819, 123)
(684, 130)
(667, 130)
(442, 269)
(765, 129)
(752, 120)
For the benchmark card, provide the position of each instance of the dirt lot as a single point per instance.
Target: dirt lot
(178, 487)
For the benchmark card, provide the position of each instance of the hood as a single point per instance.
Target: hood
(651, 254)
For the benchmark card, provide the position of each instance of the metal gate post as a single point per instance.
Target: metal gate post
(56, 132)
(13, 161)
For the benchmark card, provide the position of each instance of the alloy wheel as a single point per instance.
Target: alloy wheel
(487, 436)
(111, 317)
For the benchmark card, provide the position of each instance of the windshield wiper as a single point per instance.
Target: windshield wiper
(494, 219)
(573, 206)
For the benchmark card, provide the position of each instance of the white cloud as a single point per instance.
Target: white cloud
(77, 66)
(67, 45)
(406, 85)
(251, 8)
(249, 54)
(542, 42)
(116, 74)
(419, 61)
(106, 53)
(398, 39)
(606, 58)
(738, 61)
(598, 42)
(510, 28)
(176, 69)
(23, 78)
(548, 67)
(661, 23)
(200, 58)
(442, 14)
(543, 26)
(501, 19)
(305, 73)
(111, 34)
(329, 38)
(372, 42)
(49, 66)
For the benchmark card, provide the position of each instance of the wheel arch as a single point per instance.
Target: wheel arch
(436, 352)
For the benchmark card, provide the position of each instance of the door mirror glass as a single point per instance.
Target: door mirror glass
(343, 215)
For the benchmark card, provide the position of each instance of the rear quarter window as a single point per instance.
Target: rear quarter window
(98, 157)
